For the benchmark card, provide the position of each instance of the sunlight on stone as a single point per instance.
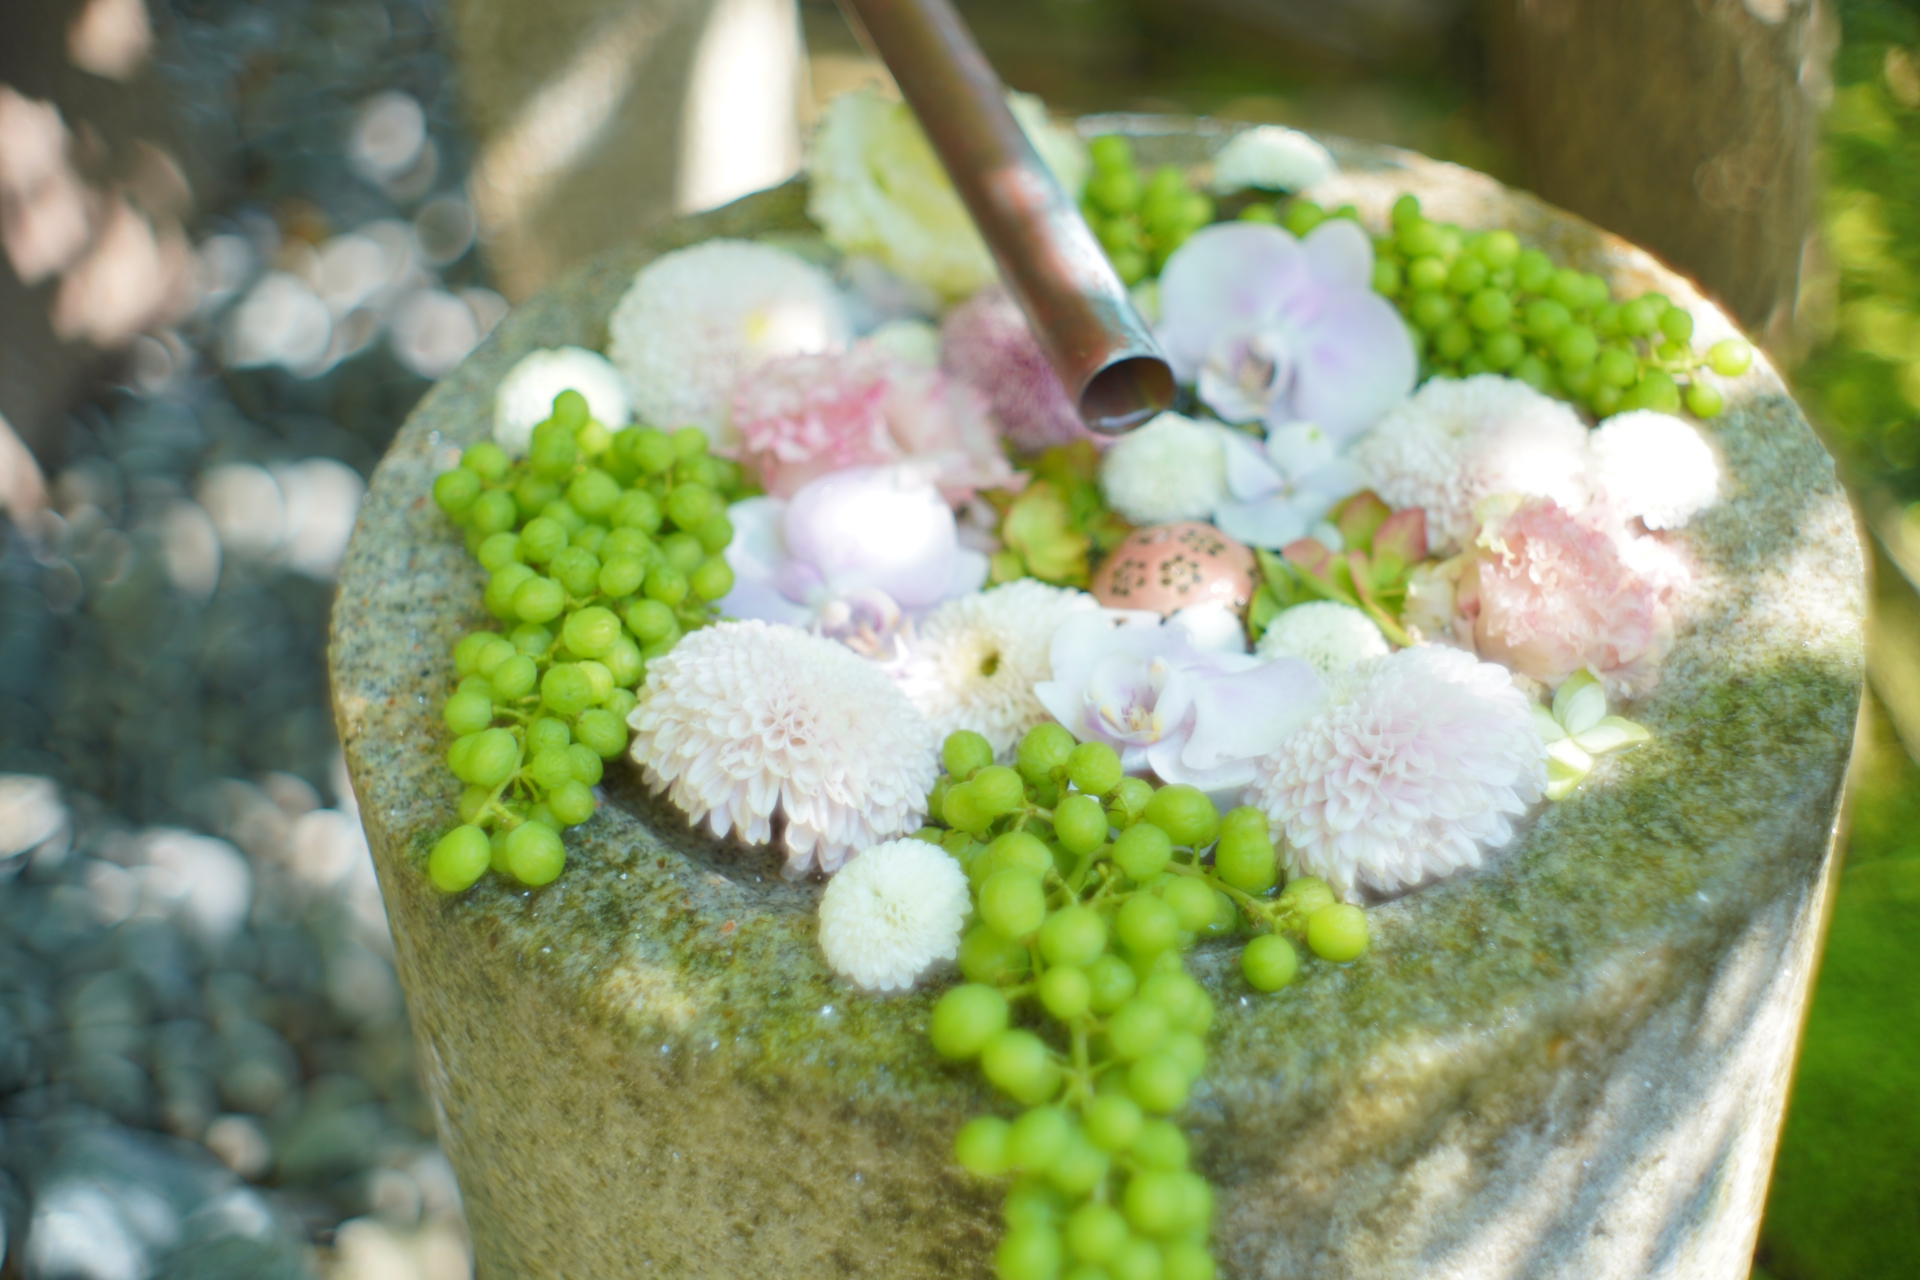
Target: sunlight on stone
(323, 499)
(110, 38)
(388, 137)
(444, 230)
(432, 331)
(190, 546)
(23, 490)
(133, 275)
(246, 507)
(30, 813)
(741, 130)
(280, 321)
(43, 204)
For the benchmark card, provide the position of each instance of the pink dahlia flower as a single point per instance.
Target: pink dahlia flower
(804, 416)
(1417, 764)
(1550, 593)
(985, 342)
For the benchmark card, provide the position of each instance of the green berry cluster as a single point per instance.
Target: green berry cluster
(1481, 303)
(1088, 889)
(1139, 222)
(602, 549)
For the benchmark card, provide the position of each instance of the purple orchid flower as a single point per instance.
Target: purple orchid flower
(1277, 330)
(1278, 492)
(1192, 715)
(852, 554)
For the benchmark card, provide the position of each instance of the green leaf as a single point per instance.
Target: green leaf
(1358, 517)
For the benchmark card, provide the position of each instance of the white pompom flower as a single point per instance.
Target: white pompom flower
(525, 397)
(743, 719)
(973, 662)
(1420, 761)
(1271, 157)
(1455, 442)
(1328, 636)
(1654, 466)
(892, 913)
(694, 320)
(1173, 468)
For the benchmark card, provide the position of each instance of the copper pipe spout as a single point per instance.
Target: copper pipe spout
(1102, 351)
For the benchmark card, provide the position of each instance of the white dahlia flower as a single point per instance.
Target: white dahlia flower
(892, 913)
(743, 719)
(1270, 157)
(1654, 466)
(1419, 761)
(1327, 636)
(1456, 441)
(525, 397)
(694, 320)
(1173, 468)
(973, 662)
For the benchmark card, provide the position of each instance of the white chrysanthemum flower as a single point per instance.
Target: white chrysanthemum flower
(1419, 761)
(525, 397)
(694, 320)
(973, 662)
(1326, 635)
(1456, 441)
(878, 190)
(892, 913)
(1173, 468)
(1654, 466)
(1271, 157)
(743, 719)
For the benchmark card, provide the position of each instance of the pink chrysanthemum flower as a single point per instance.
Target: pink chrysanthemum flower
(804, 416)
(985, 342)
(1419, 763)
(1550, 593)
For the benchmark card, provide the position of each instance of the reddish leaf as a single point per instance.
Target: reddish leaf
(1358, 517)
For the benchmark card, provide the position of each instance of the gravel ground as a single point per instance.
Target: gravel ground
(205, 1065)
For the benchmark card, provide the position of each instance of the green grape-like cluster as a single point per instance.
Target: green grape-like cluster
(1088, 889)
(1478, 302)
(1139, 222)
(602, 549)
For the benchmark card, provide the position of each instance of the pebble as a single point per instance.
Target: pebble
(205, 1066)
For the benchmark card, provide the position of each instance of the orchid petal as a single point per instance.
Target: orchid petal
(1250, 476)
(1249, 714)
(1271, 522)
(1224, 277)
(1212, 627)
(1164, 757)
(1299, 449)
(1339, 254)
(1353, 363)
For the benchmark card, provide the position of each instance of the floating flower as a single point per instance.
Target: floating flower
(696, 319)
(1654, 467)
(878, 189)
(802, 416)
(975, 660)
(1576, 728)
(985, 342)
(1459, 441)
(1278, 492)
(1418, 763)
(1278, 330)
(1327, 636)
(525, 397)
(1173, 468)
(848, 536)
(1550, 593)
(892, 913)
(1271, 157)
(1192, 715)
(742, 720)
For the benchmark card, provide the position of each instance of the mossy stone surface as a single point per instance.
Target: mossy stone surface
(1569, 1063)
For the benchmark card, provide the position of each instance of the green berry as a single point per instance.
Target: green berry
(1338, 932)
(1158, 1083)
(1497, 249)
(1184, 1001)
(538, 599)
(1466, 275)
(1028, 1253)
(1388, 280)
(587, 767)
(566, 689)
(1704, 401)
(1617, 367)
(1269, 962)
(1306, 895)
(651, 621)
(964, 812)
(1080, 823)
(1191, 900)
(1012, 903)
(1044, 748)
(1019, 1063)
(468, 712)
(1143, 851)
(1136, 1029)
(1160, 1145)
(1187, 1049)
(547, 734)
(981, 1146)
(593, 492)
(492, 512)
(498, 549)
(515, 677)
(1245, 856)
(1532, 271)
(1129, 801)
(1065, 992)
(1729, 357)
(1019, 850)
(1093, 768)
(491, 757)
(1111, 982)
(1186, 1260)
(1575, 347)
(689, 442)
(1113, 1121)
(988, 958)
(1186, 814)
(1431, 310)
(1489, 309)
(711, 579)
(458, 859)
(1095, 1231)
(963, 752)
(1569, 288)
(486, 460)
(1137, 1259)
(454, 490)
(601, 732)
(1155, 1202)
(1146, 926)
(1075, 935)
(1038, 1137)
(1426, 274)
(552, 768)
(572, 804)
(997, 790)
(1080, 1166)
(576, 569)
(535, 855)
(637, 510)
(590, 632)
(666, 584)
(653, 451)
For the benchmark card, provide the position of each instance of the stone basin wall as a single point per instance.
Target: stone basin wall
(1568, 1064)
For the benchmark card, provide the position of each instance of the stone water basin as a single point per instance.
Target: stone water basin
(1569, 1063)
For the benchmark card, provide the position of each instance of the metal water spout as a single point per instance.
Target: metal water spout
(1098, 344)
